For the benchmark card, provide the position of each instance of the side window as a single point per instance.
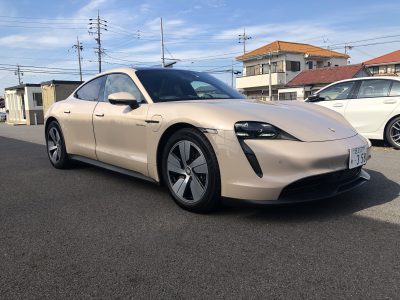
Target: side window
(90, 91)
(338, 91)
(395, 91)
(116, 83)
(374, 88)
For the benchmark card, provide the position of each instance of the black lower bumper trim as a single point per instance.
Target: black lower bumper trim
(313, 188)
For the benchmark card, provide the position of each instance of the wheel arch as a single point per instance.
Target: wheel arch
(163, 140)
(387, 124)
(48, 121)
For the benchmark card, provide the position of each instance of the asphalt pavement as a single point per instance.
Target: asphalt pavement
(91, 233)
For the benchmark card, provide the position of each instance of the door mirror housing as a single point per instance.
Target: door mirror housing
(123, 98)
(315, 98)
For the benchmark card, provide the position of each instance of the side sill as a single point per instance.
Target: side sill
(111, 168)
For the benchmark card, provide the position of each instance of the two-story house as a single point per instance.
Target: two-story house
(385, 65)
(272, 66)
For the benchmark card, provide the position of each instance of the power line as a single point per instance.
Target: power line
(29, 18)
(42, 27)
(42, 67)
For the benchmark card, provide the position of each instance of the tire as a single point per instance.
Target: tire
(193, 182)
(55, 146)
(392, 133)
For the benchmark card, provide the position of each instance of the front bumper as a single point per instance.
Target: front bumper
(292, 171)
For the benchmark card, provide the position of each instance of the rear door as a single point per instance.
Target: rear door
(78, 119)
(372, 105)
(336, 96)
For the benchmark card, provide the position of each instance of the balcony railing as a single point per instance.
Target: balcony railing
(260, 80)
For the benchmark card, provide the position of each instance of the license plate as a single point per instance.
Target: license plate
(358, 157)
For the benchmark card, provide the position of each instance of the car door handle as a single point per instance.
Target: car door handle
(67, 111)
(99, 115)
(389, 101)
(338, 105)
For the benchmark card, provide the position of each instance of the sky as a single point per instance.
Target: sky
(202, 35)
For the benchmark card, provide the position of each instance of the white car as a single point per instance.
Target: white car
(370, 104)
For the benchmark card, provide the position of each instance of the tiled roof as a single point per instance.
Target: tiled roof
(325, 75)
(293, 48)
(387, 58)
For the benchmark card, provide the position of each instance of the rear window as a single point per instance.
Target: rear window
(374, 88)
(395, 91)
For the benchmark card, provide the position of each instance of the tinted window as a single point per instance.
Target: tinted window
(338, 91)
(116, 83)
(374, 88)
(90, 91)
(175, 85)
(395, 91)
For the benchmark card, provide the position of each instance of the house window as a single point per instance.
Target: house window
(253, 70)
(383, 70)
(374, 70)
(293, 66)
(397, 68)
(37, 99)
(310, 65)
(329, 63)
(265, 68)
(276, 67)
(288, 96)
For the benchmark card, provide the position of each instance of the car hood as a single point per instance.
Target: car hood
(306, 121)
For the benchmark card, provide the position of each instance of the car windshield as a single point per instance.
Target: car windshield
(179, 85)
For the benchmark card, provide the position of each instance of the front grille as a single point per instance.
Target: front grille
(314, 186)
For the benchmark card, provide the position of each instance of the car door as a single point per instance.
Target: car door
(336, 96)
(120, 131)
(372, 105)
(78, 119)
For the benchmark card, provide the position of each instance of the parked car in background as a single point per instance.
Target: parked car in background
(371, 105)
(203, 140)
(3, 116)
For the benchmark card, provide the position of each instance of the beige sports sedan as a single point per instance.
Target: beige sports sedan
(204, 141)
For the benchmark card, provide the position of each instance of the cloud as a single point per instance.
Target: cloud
(92, 6)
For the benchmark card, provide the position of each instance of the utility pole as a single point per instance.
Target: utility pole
(79, 48)
(243, 38)
(162, 44)
(269, 75)
(19, 73)
(98, 24)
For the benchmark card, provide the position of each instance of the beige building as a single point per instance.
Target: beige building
(272, 66)
(385, 65)
(24, 104)
(57, 90)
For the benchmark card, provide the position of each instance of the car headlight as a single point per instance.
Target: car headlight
(259, 130)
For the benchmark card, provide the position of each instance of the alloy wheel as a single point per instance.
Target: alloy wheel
(54, 145)
(187, 171)
(395, 133)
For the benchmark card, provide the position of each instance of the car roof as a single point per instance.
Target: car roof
(130, 69)
(371, 78)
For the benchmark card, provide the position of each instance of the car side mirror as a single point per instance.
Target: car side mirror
(123, 98)
(315, 98)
